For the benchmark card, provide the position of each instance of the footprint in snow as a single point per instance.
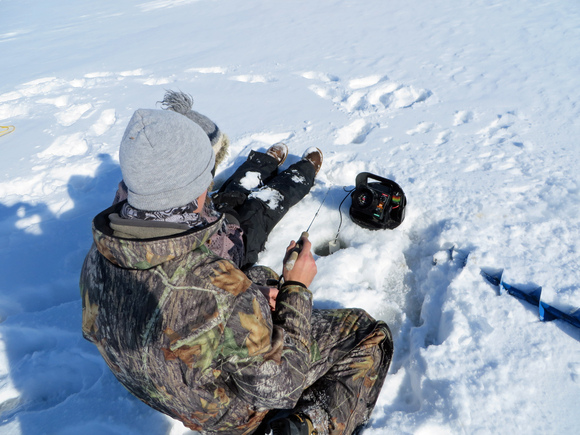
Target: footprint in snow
(365, 82)
(462, 117)
(407, 96)
(372, 92)
(323, 77)
(208, 70)
(249, 78)
(356, 132)
(72, 114)
(575, 372)
(66, 146)
(421, 128)
(443, 137)
(104, 123)
(500, 130)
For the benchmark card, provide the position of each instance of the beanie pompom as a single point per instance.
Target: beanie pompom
(177, 101)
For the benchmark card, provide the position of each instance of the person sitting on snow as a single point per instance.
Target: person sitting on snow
(183, 319)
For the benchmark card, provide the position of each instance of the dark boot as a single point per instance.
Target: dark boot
(296, 424)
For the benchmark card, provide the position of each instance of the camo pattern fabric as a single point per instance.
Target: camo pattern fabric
(227, 242)
(193, 337)
(349, 365)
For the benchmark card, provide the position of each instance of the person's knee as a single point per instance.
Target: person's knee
(381, 330)
(383, 340)
(379, 341)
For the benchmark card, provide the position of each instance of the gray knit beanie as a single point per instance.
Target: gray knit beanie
(166, 160)
(181, 102)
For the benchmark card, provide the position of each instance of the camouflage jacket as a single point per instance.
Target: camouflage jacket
(189, 334)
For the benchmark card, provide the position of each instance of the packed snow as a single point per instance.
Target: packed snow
(251, 180)
(470, 106)
(268, 196)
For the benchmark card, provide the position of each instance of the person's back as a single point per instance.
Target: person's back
(176, 321)
(160, 321)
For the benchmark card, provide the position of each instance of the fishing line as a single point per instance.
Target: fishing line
(340, 211)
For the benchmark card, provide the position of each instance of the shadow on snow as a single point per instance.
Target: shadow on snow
(62, 384)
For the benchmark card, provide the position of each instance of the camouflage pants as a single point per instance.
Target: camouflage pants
(351, 358)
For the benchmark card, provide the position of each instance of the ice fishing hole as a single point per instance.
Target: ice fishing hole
(329, 247)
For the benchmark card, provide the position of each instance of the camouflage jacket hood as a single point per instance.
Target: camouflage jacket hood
(146, 253)
(188, 333)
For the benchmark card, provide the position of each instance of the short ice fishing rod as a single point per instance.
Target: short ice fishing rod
(376, 205)
(289, 265)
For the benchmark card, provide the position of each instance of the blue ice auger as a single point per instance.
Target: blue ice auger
(533, 296)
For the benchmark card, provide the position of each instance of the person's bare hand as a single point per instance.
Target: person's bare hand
(271, 293)
(304, 269)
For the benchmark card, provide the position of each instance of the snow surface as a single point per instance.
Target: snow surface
(471, 106)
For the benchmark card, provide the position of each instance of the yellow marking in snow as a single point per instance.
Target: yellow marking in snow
(6, 129)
